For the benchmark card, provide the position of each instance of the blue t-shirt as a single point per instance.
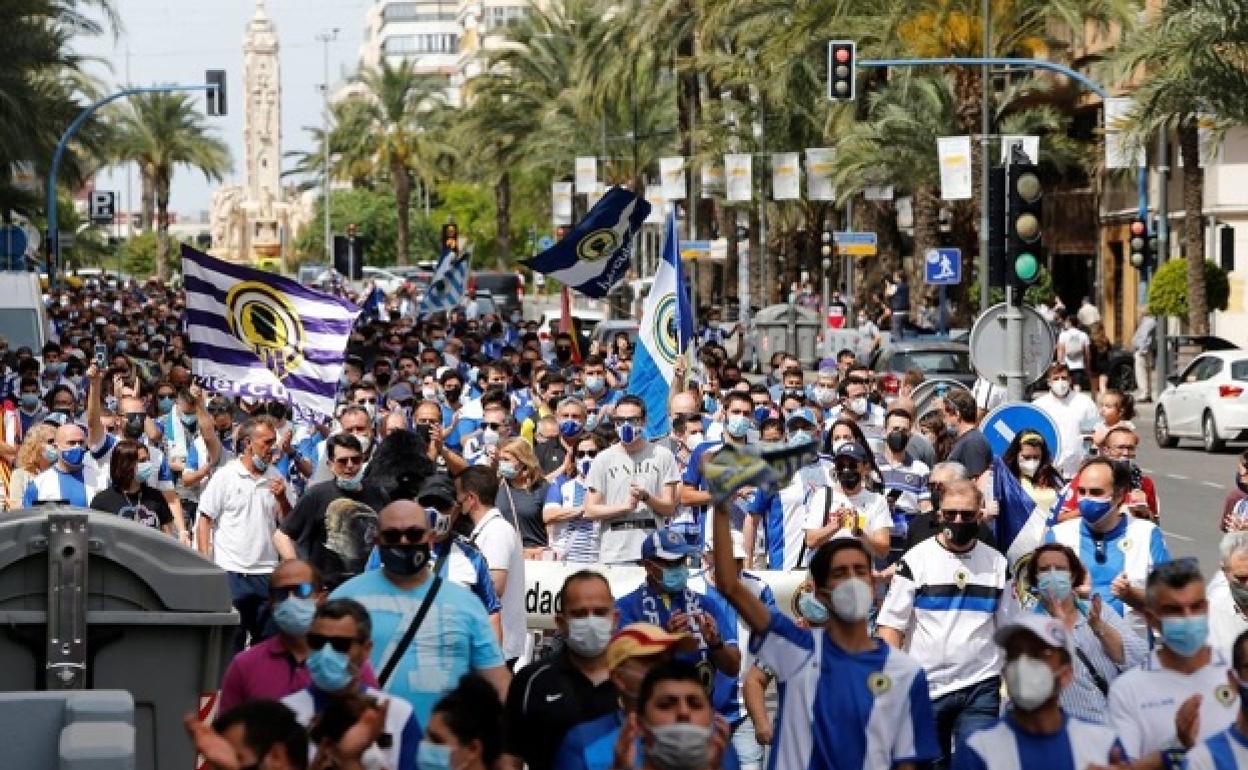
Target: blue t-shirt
(591, 746)
(454, 638)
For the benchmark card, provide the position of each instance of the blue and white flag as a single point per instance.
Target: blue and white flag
(449, 283)
(596, 253)
(259, 335)
(666, 330)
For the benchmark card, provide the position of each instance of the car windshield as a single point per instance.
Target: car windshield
(1239, 370)
(932, 361)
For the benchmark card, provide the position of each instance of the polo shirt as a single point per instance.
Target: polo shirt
(545, 700)
(401, 725)
(1005, 746)
(243, 512)
(1226, 619)
(267, 671)
(1225, 751)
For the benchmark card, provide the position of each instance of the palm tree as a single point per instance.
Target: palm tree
(158, 132)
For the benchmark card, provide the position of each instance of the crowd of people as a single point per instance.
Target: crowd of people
(959, 607)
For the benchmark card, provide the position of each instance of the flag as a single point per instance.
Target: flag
(374, 304)
(595, 253)
(449, 283)
(1019, 523)
(666, 330)
(259, 335)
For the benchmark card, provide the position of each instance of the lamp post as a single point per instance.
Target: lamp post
(826, 251)
(326, 37)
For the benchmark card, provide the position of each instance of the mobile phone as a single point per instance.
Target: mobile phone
(1089, 448)
(101, 356)
(422, 431)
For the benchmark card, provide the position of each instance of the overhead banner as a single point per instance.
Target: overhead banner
(819, 185)
(1117, 154)
(1030, 145)
(712, 180)
(561, 203)
(738, 176)
(786, 179)
(672, 173)
(954, 153)
(586, 176)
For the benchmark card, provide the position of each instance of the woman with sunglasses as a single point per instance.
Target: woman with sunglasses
(1104, 644)
(574, 537)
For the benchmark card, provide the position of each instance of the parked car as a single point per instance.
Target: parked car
(386, 280)
(1208, 401)
(503, 287)
(604, 333)
(935, 358)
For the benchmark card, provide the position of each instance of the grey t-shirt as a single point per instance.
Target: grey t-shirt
(973, 451)
(612, 472)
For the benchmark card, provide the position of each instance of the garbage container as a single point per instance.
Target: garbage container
(791, 328)
(92, 601)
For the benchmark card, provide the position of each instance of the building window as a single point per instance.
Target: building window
(496, 17)
(417, 44)
(414, 12)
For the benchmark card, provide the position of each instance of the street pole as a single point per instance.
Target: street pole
(985, 127)
(849, 261)
(326, 37)
(1015, 384)
(1162, 357)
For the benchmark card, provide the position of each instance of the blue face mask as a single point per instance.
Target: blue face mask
(738, 425)
(294, 615)
(439, 344)
(330, 670)
(595, 384)
(144, 470)
(626, 432)
(74, 456)
(165, 405)
(675, 579)
(30, 401)
(799, 437)
(591, 422)
(570, 428)
(50, 453)
(1185, 636)
(261, 463)
(1093, 510)
(761, 413)
(1055, 583)
(709, 404)
(189, 419)
(433, 756)
(815, 611)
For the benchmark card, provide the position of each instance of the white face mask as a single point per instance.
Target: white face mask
(1029, 467)
(1059, 388)
(365, 442)
(1029, 682)
(489, 437)
(858, 405)
(851, 600)
(588, 636)
(825, 396)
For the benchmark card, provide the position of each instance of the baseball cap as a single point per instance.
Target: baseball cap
(1049, 630)
(798, 416)
(666, 545)
(400, 391)
(852, 451)
(639, 640)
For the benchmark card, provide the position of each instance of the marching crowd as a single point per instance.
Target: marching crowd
(959, 607)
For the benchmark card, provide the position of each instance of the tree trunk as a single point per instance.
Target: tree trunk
(502, 219)
(403, 200)
(162, 231)
(926, 207)
(147, 201)
(1194, 227)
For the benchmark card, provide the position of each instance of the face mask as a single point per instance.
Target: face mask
(371, 410)
(294, 614)
(1239, 591)
(710, 405)
(583, 466)
(30, 402)
(404, 559)
(429, 394)
(144, 470)
(851, 600)
(1028, 467)
(838, 443)
(489, 437)
(626, 432)
(50, 453)
(1059, 388)
(679, 746)
(507, 470)
(621, 379)
(809, 606)
(189, 420)
(352, 484)
(365, 440)
(1094, 510)
(452, 394)
(961, 533)
(858, 405)
(330, 670)
(570, 428)
(122, 346)
(439, 344)
(1243, 485)
(133, 428)
(591, 422)
(261, 463)
(849, 478)
(1185, 636)
(382, 378)
(799, 437)
(433, 756)
(675, 578)
(165, 405)
(73, 457)
(825, 396)
(738, 425)
(898, 440)
(588, 637)
(595, 384)
(563, 354)
(1030, 682)
(793, 393)
(761, 413)
(1055, 583)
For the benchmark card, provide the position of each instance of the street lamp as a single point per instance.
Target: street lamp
(826, 251)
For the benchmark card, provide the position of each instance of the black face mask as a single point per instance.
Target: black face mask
(382, 378)
(850, 478)
(404, 559)
(133, 428)
(552, 403)
(897, 440)
(563, 354)
(453, 394)
(961, 533)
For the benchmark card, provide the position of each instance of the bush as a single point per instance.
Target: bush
(1167, 292)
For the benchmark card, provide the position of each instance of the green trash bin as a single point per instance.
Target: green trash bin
(92, 601)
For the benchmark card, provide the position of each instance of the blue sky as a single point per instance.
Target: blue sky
(176, 40)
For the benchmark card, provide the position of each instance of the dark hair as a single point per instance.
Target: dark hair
(736, 395)
(1239, 656)
(473, 712)
(1046, 475)
(581, 576)
(771, 422)
(632, 400)
(821, 562)
(451, 374)
(337, 609)
(934, 422)
(964, 404)
(667, 671)
(342, 441)
(845, 352)
(860, 439)
(1126, 402)
(1057, 368)
(1120, 474)
(1176, 574)
(124, 461)
(1077, 571)
(899, 411)
(265, 724)
(480, 481)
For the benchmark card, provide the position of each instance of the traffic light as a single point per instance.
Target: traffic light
(1140, 245)
(450, 238)
(842, 63)
(1024, 253)
(216, 91)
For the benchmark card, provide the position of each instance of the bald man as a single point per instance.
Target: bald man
(74, 477)
(454, 637)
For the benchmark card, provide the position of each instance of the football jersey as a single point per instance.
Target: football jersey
(1004, 746)
(1225, 751)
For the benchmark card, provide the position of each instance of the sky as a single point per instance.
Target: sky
(174, 41)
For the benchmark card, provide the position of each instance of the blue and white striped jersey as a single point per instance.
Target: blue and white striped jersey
(1004, 746)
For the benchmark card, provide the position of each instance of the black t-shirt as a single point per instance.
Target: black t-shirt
(527, 511)
(973, 451)
(146, 506)
(550, 454)
(353, 523)
(546, 699)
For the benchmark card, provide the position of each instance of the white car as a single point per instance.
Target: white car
(386, 280)
(1208, 401)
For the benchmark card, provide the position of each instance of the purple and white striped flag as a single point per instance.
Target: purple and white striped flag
(256, 334)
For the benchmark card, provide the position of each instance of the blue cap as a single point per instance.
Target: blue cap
(853, 451)
(666, 545)
(801, 414)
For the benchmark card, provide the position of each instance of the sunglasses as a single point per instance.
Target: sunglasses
(395, 536)
(339, 643)
(349, 460)
(583, 455)
(492, 425)
(363, 401)
(621, 421)
(951, 514)
(280, 594)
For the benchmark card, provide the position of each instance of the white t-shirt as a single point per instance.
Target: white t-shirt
(652, 467)
(1074, 416)
(1075, 342)
(1142, 703)
(1226, 619)
(243, 511)
(499, 543)
(871, 509)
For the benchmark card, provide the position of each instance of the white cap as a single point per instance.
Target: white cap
(1048, 629)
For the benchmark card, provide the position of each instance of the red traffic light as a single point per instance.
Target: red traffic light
(1137, 227)
(842, 55)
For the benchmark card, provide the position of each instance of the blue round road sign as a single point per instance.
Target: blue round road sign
(1006, 421)
(545, 242)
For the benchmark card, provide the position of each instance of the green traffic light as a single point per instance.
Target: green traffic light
(1026, 267)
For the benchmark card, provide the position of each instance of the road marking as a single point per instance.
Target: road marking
(1177, 536)
(1213, 484)
(1176, 476)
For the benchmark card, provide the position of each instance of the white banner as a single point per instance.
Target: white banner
(561, 203)
(878, 192)
(672, 172)
(738, 177)
(586, 175)
(712, 180)
(1030, 144)
(786, 178)
(1117, 154)
(658, 204)
(819, 185)
(954, 153)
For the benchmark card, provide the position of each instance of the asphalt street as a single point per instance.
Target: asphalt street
(1192, 485)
